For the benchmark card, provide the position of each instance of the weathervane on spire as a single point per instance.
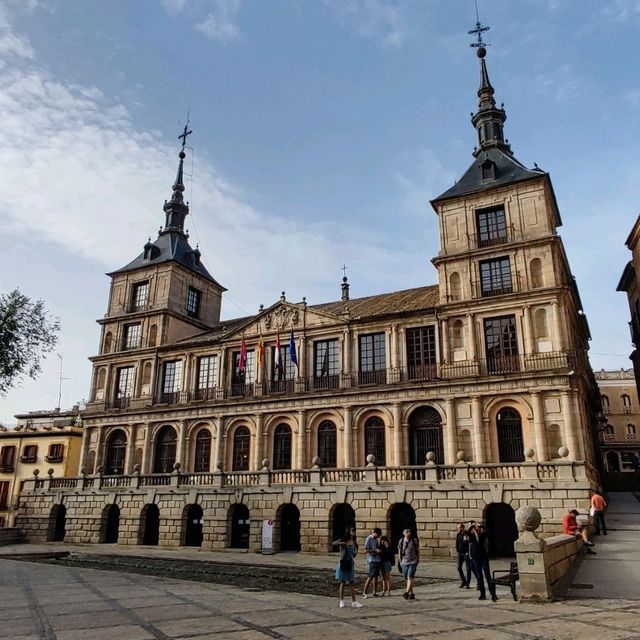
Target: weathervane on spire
(478, 31)
(186, 132)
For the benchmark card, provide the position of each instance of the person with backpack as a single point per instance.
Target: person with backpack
(409, 557)
(345, 570)
(387, 556)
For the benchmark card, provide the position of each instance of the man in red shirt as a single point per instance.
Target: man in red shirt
(598, 505)
(571, 527)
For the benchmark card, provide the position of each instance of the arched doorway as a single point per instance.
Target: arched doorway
(374, 441)
(401, 516)
(282, 447)
(240, 526)
(510, 441)
(344, 517)
(111, 524)
(327, 444)
(165, 453)
(202, 458)
(502, 530)
(150, 524)
(425, 434)
(58, 520)
(193, 532)
(289, 528)
(116, 452)
(241, 443)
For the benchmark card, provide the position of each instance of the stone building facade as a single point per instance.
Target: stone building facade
(419, 408)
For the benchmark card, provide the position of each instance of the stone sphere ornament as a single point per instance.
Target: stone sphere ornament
(371, 459)
(460, 456)
(563, 452)
(176, 466)
(265, 463)
(431, 457)
(316, 461)
(528, 518)
(529, 453)
(51, 472)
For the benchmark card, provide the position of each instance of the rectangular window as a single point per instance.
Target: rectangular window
(242, 381)
(193, 302)
(207, 380)
(501, 344)
(421, 353)
(282, 377)
(7, 458)
(56, 453)
(326, 364)
(140, 296)
(172, 381)
(495, 277)
(124, 386)
(30, 453)
(492, 227)
(373, 359)
(4, 494)
(132, 336)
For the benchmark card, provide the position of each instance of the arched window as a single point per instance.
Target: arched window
(605, 402)
(146, 373)
(116, 451)
(465, 444)
(425, 434)
(608, 429)
(327, 444)
(626, 401)
(374, 440)
(282, 447)
(537, 277)
(540, 323)
(455, 286)
(510, 441)
(241, 441)
(631, 432)
(457, 334)
(203, 451)
(165, 455)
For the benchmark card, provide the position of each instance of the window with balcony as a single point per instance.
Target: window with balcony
(501, 344)
(495, 277)
(283, 370)
(374, 440)
(631, 433)
(124, 386)
(203, 451)
(327, 444)
(132, 336)
(492, 227)
(373, 359)
(7, 458)
(116, 453)
(626, 403)
(207, 379)
(421, 353)
(242, 378)
(172, 380)
(606, 408)
(4, 495)
(56, 453)
(140, 296)
(282, 447)
(241, 443)
(30, 454)
(326, 367)
(193, 302)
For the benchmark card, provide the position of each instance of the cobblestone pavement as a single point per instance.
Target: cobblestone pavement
(47, 602)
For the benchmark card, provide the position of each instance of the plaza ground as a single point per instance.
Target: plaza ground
(63, 602)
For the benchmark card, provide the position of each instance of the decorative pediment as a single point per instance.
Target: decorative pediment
(281, 318)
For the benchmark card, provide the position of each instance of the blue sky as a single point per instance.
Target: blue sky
(321, 130)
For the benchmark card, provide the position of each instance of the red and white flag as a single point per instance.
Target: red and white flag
(242, 360)
(277, 362)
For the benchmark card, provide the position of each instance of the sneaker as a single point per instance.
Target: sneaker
(364, 595)
(462, 586)
(589, 543)
(342, 605)
(412, 596)
(591, 551)
(405, 595)
(482, 597)
(356, 605)
(376, 595)
(494, 597)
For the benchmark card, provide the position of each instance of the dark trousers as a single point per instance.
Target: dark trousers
(482, 566)
(601, 525)
(463, 560)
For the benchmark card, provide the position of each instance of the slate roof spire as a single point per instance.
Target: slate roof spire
(176, 210)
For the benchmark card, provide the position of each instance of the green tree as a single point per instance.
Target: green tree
(27, 334)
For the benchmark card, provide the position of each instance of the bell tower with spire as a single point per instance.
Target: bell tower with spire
(165, 294)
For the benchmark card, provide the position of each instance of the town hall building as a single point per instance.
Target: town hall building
(416, 408)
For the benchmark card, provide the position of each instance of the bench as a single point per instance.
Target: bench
(508, 578)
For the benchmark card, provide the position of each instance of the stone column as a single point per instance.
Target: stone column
(556, 327)
(570, 435)
(131, 450)
(302, 357)
(302, 436)
(181, 455)
(347, 438)
(452, 433)
(147, 453)
(393, 345)
(99, 448)
(478, 430)
(580, 432)
(396, 409)
(217, 450)
(444, 330)
(346, 351)
(538, 427)
(84, 451)
(471, 330)
(528, 329)
(258, 445)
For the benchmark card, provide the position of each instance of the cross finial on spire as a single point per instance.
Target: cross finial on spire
(186, 132)
(343, 268)
(478, 31)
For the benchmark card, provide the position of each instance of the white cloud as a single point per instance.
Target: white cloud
(379, 20)
(10, 43)
(220, 25)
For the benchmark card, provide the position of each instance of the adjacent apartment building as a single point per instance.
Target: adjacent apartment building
(414, 408)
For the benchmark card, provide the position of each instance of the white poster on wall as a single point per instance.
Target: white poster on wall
(267, 536)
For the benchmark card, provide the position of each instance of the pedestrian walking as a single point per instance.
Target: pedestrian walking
(387, 557)
(409, 553)
(372, 547)
(462, 556)
(345, 570)
(598, 505)
(479, 556)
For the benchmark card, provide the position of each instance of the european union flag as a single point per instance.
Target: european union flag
(292, 349)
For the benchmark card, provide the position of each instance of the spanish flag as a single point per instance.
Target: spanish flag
(260, 355)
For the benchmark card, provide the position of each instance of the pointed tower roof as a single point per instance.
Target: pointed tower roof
(172, 243)
(494, 164)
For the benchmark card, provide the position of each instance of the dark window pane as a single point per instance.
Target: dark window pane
(193, 302)
(501, 344)
(132, 336)
(326, 364)
(327, 444)
(165, 451)
(203, 451)
(492, 227)
(372, 358)
(374, 440)
(140, 296)
(241, 441)
(282, 447)
(421, 353)
(495, 277)
(116, 451)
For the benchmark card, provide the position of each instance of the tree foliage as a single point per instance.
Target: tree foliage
(27, 334)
